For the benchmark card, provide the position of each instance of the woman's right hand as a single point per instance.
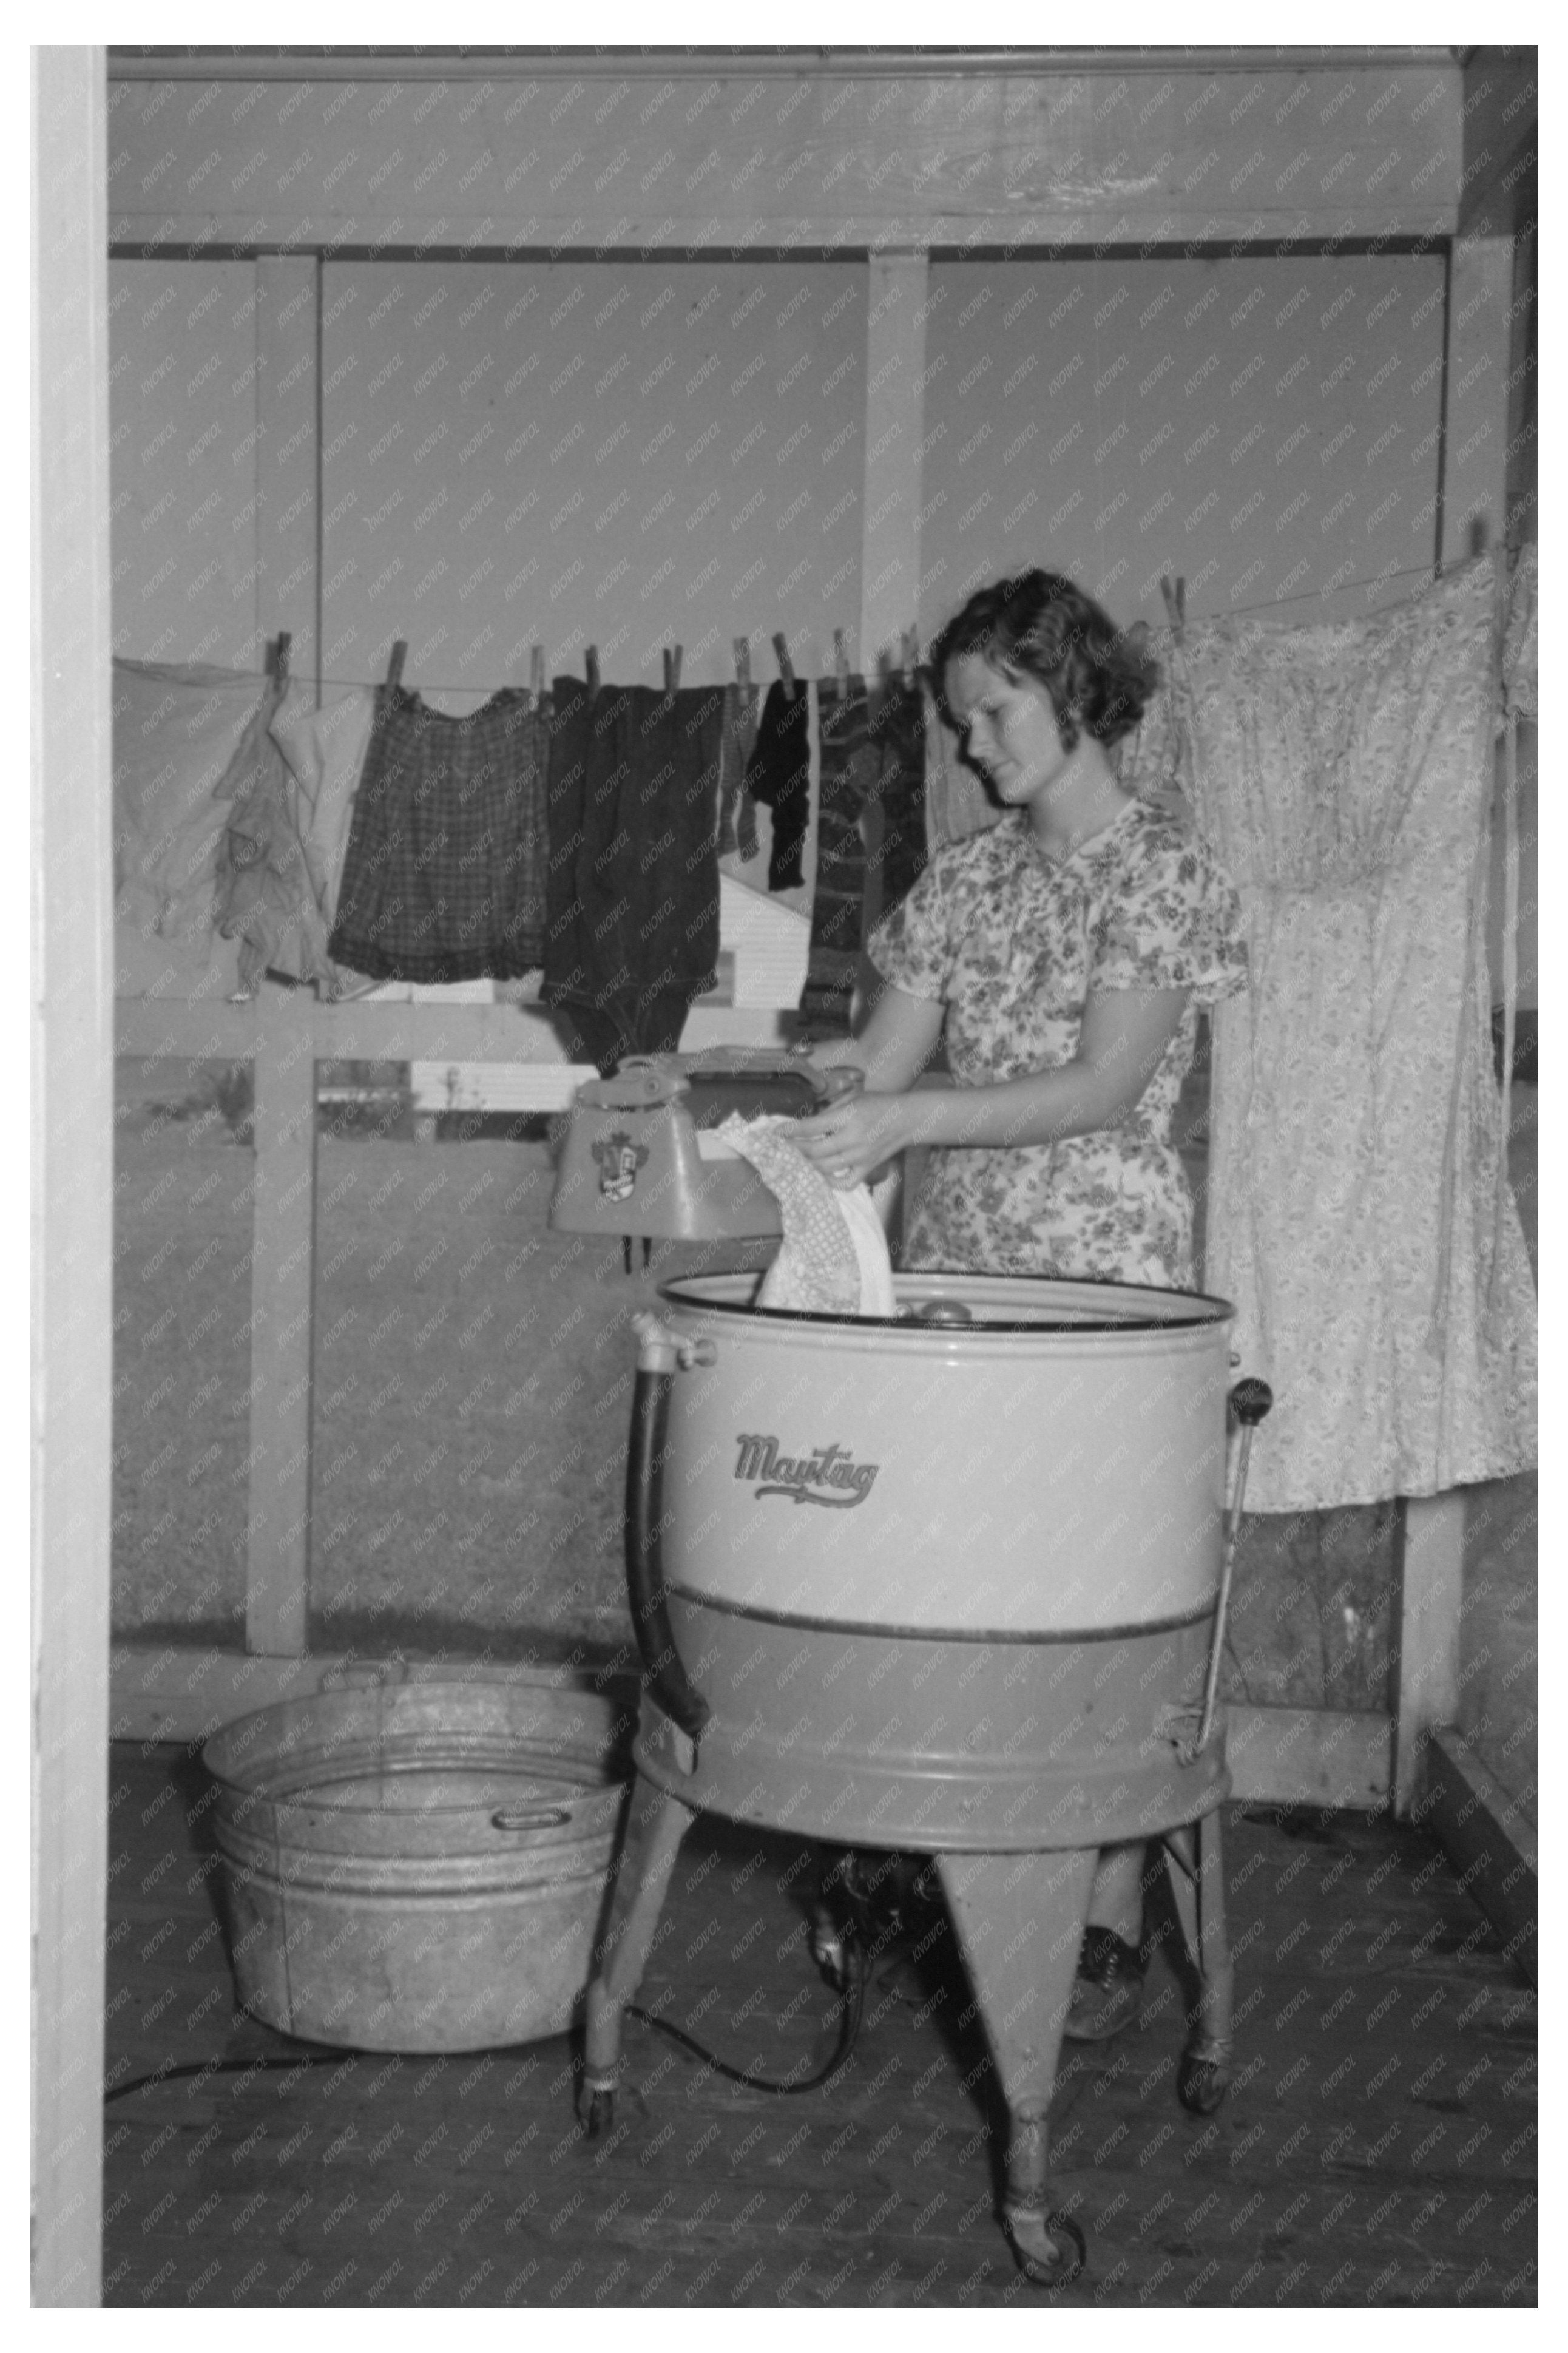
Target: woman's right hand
(849, 1141)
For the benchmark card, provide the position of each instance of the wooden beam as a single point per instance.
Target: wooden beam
(72, 1167)
(1475, 406)
(1488, 1837)
(177, 1693)
(1521, 469)
(1278, 1756)
(287, 457)
(1502, 111)
(364, 1031)
(717, 153)
(890, 491)
(281, 1270)
(1431, 1589)
(565, 62)
(1309, 1756)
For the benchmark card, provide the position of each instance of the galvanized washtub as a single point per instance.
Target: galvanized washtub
(417, 1866)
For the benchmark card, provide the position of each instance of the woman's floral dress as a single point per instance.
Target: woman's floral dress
(1015, 947)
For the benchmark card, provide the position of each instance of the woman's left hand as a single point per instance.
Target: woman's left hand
(850, 1139)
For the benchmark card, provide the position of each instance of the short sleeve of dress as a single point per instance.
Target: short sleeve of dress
(914, 946)
(1175, 923)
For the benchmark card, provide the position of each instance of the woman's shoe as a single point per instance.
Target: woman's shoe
(1108, 1991)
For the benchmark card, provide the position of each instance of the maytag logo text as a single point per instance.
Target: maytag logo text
(827, 1475)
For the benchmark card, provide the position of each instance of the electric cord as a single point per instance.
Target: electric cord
(851, 2008)
(257, 2065)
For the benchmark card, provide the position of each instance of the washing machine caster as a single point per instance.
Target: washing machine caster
(596, 2108)
(1197, 1884)
(829, 1950)
(1049, 2249)
(1203, 2078)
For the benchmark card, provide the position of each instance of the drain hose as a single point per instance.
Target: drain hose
(664, 1677)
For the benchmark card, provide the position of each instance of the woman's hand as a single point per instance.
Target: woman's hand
(850, 1139)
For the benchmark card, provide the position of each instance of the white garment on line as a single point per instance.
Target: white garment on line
(325, 751)
(175, 729)
(1358, 1212)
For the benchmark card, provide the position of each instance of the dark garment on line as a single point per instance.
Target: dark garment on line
(870, 831)
(633, 930)
(444, 875)
(737, 810)
(779, 776)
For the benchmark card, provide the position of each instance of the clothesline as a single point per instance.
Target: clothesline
(1267, 603)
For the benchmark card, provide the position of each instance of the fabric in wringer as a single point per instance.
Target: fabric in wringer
(833, 1259)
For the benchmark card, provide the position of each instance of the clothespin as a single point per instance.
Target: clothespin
(1480, 534)
(909, 654)
(743, 665)
(786, 671)
(536, 671)
(277, 660)
(591, 670)
(840, 666)
(672, 670)
(394, 664)
(1175, 595)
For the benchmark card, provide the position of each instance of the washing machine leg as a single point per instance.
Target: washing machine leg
(1197, 1883)
(655, 1827)
(1020, 1919)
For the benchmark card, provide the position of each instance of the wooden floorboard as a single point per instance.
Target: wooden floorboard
(1378, 2145)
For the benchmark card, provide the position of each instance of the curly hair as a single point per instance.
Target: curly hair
(1039, 624)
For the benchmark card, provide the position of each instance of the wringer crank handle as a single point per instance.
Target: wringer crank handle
(1251, 1400)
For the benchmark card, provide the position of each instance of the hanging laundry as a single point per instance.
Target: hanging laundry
(175, 729)
(956, 801)
(444, 878)
(325, 749)
(703, 717)
(778, 776)
(893, 759)
(1357, 1212)
(870, 832)
(633, 930)
(1520, 652)
(737, 810)
(263, 896)
(833, 1259)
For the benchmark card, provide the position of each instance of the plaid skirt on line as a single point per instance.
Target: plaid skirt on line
(444, 878)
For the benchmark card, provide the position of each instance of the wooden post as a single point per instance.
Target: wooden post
(281, 1266)
(1473, 490)
(72, 1164)
(1475, 433)
(287, 456)
(895, 421)
(1431, 1575)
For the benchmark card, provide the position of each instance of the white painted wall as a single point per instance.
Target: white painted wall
(628, 456)
(1267, 428)
(184, 461)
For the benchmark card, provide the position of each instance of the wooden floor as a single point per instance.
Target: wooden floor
(1378, 2145)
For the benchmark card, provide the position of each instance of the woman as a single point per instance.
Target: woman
(1060, 958)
